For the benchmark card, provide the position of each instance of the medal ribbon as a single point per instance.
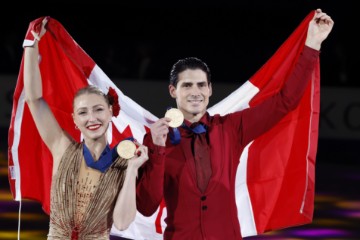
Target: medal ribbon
(198, 129)
(105, 160)
(175, 136)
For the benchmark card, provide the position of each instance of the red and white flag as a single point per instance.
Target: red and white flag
(276, 176)
(275, 180)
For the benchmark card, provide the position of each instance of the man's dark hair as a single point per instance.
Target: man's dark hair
(192, 63)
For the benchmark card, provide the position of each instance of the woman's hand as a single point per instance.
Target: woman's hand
(141, 156)
(42, 29)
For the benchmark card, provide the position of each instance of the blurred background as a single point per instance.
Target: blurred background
(137, 45)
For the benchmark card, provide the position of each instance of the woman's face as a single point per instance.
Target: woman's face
(92, 115)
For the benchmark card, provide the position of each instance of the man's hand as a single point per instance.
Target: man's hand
(319, 28)
(159, 131)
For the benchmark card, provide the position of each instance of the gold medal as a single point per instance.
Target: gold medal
(176, 116)
(126, 149)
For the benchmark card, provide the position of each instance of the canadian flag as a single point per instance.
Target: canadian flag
(286, 153)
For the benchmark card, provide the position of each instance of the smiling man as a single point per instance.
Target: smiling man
(193, 167)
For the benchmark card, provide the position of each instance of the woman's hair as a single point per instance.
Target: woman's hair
(192, 63)
(111, 98)
(91, 89)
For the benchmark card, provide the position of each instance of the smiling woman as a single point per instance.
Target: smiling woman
(92, 187)
(92, 112)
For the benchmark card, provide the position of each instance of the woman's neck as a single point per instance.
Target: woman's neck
(96, 147)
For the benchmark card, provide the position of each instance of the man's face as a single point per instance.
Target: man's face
(192, 93)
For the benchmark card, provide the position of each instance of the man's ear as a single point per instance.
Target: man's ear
(210, 89)
(172, 91)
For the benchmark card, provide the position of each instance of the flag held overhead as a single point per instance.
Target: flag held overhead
(290, 171)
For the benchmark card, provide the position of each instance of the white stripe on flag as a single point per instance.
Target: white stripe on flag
(243, 201)
(15, 146)
(236, 101)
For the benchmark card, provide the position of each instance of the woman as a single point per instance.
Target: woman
(92, 187)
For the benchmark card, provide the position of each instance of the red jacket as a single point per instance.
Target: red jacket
(170, 171)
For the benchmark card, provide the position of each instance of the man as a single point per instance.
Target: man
(193, 167)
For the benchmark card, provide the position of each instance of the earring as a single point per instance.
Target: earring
(76, 127)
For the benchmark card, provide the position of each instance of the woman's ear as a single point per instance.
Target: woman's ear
(111, 110)
(73, 117)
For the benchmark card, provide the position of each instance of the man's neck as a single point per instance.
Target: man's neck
(192, 118)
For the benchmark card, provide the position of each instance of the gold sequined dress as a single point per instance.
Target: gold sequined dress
(82, 198)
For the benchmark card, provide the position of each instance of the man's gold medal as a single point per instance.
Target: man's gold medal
(176, 116)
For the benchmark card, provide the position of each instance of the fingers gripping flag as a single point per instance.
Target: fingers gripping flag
(275, 170)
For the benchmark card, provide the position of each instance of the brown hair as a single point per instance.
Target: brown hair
(91, 89)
